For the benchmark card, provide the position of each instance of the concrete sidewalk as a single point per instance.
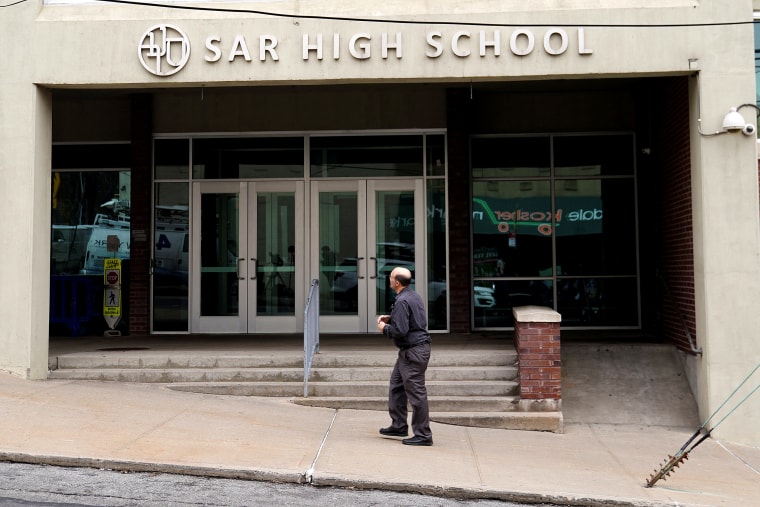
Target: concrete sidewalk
(151, 428)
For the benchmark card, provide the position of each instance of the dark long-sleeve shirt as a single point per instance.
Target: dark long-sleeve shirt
(408, 322)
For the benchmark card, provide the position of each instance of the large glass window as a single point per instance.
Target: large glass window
(171, 248)
(510, 157)
(339, 258)
(275, 277)
(172, 159)
(435, 155)
(554, 224)
(180, 161)
(437, 255)
(220, 280)
(366, 156)
(90, 221)
(171, 257)
(245, 157)
(511, 226)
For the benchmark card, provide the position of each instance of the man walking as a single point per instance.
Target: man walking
(407, 325)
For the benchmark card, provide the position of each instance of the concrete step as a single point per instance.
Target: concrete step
(347, 389)
(476, 388)
(530, 421)
(279, 374)
(436, 403)
(176, 360)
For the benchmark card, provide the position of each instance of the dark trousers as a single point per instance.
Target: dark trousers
(407, 384)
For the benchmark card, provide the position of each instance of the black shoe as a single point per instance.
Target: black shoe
(415, 440)
(390, 431)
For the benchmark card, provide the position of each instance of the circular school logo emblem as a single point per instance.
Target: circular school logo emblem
(163, 50)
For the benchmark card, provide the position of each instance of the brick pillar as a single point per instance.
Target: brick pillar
(538, 352)
(458, 136)
(141, 213)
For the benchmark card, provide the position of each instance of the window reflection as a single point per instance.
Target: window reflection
(565, 239)
(366, 156)
(276, 270)
(511, 223)
(437, 255)
(264, 157)
(90, 221)
(171, 257)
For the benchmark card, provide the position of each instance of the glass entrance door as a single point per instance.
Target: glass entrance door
(245, 270)
(361, 231)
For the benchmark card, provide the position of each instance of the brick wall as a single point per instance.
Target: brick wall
(537, 340)
(676, 266)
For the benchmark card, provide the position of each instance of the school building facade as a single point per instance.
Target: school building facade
(597, 158)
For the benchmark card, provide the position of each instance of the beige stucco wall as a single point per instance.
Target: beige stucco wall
(96, 46)
(726, 261)
(24, 203)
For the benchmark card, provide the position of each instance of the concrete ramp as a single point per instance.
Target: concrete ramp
(627, 384)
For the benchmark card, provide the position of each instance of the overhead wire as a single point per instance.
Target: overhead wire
(178, 6)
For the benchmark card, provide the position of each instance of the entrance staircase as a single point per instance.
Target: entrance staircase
(470, 382)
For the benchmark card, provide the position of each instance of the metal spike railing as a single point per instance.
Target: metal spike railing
(674, 461)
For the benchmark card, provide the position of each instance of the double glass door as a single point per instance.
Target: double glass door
(359, 231)
(255, 253)
(247, 272)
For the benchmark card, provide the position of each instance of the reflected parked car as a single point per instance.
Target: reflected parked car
(483, 297)
(345, 287)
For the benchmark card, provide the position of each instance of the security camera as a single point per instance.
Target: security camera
(748, 130)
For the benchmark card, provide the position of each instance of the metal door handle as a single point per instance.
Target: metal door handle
(237, 269)
(358, 259)
(255, 267)
(375, 275)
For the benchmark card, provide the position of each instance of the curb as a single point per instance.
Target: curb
(281, 477)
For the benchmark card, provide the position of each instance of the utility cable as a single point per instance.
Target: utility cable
(424, 22)
(417, 22)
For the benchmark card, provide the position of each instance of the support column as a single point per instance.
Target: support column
(726, 250)
(25, 151)
(141, 215)
(458, 135)
(537, 341)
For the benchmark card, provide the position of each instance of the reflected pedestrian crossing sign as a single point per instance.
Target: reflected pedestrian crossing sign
(112, 291)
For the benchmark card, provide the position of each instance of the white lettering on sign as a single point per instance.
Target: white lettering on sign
(582, 43)
(308, 47)
(520, 42)
(433, 40)
(211, 45)
(584, 215)
(360, 50)
(495, 43)
(395, 46)
(267, 46)
(520, 47)
(455, 44)
(239, 48)
(562, 35)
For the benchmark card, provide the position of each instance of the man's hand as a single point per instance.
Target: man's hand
(382, 321)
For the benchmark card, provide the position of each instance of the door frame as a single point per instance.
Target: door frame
(365, 319)
(247, 320)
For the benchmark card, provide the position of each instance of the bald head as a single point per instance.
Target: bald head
(402, 275)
